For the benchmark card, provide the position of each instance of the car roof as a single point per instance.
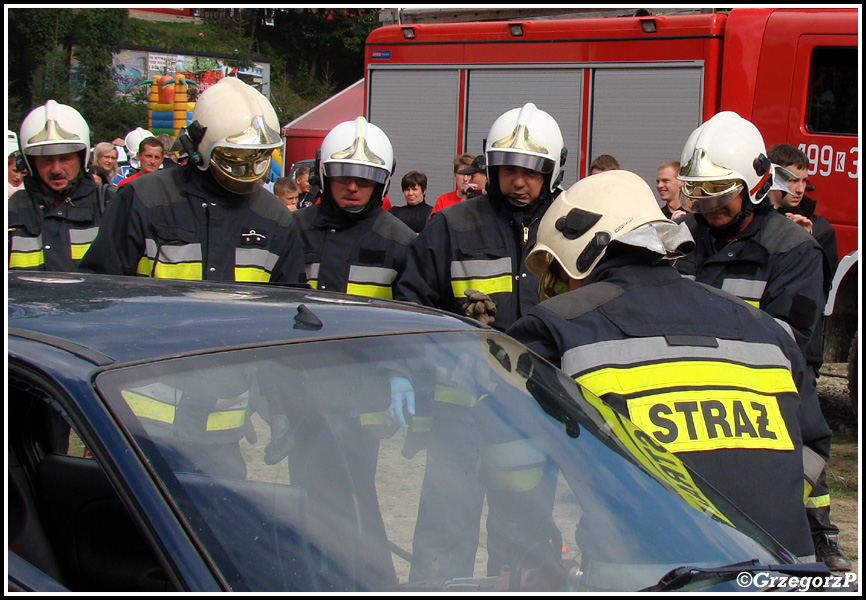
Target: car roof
(128, 319)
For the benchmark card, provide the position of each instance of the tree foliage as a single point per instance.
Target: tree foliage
(66, 54)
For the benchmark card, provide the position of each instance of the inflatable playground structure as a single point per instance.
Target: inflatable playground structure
(169, 110)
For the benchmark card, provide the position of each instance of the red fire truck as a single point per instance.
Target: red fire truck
(635, 87)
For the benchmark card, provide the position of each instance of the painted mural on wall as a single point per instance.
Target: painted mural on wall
(134, 69)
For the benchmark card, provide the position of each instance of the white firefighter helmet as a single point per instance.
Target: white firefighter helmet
(11, 143)
(722, 158)
(133, 140)
(357, 149)
(54, 129)
(577, 229)
(526, 137)
(241, 132)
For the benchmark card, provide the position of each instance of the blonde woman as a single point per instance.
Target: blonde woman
(105, 155)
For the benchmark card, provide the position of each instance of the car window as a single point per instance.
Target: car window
(284, 464)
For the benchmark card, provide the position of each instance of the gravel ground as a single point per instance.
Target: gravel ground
(844, 467)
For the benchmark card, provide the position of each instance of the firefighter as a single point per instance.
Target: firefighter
(351, 244)
(477, 247)
(210, 220)
(711, 378)
(53, 220)
(744, 246)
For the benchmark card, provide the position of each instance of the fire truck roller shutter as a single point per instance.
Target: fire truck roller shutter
(556, 91)
(417, 109)
(643, 116)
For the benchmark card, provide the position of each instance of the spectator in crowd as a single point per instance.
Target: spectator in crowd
(668, 187)
(417, 211)
(15, 170)
(105, 156)
(287, 191)
(461, 183)
(168, 158)
(603, 162)
(149, 157)
(52, 221)
(791, 199)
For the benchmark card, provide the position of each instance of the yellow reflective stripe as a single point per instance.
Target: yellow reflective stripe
(449, 395)
(370, 290)
(375, 418)
(79, 250)
(188, 271)
(700, 420)
(755, 303)
(148, 408)
(228, 419)
(654, 457)
(695, 374)
(26, 260)
(492, 285)
(818, 501)
(314, 283)
(145, 266)
(252, 274)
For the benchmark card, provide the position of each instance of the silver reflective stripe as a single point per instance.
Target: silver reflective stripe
(375, 275)
(787, 327)
(180, 254)
(747, 289)
(656, 349)
(481, 268)
(150, 248)
(692, 277)
(83, 236)
(312, 270)
(26, 244)
(255, 257)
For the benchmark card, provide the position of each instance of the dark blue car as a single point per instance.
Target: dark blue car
(191, 436)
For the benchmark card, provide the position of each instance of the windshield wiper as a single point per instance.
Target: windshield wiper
(682, 576)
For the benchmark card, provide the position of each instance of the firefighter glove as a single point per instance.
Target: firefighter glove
(479, 306)
(281, 440)
(402, 399)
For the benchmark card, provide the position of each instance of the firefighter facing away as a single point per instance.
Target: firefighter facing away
(716, 381)
(744, 246)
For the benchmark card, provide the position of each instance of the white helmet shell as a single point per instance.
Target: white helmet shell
(134, 138)
(241, 122)
(611, 206)
(526, 137)
(54, 129)
(11, 143)
(132, 141)
(357, 149)
(721, 154)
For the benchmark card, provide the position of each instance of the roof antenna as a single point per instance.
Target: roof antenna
(305, 319)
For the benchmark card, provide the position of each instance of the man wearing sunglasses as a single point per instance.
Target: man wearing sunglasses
(747, 248)
(210, 220)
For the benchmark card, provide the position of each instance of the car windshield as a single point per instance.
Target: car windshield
(506, 478)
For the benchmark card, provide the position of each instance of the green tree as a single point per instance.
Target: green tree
(66, 55)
